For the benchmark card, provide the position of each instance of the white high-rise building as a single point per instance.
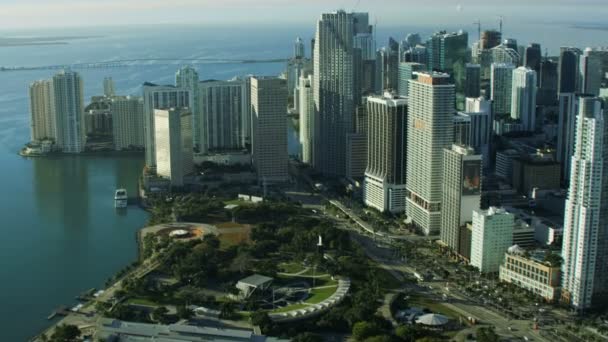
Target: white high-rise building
(501, 80)
(333, 89)
(173, 141)
(127, 122)
(224, 108)
(69, 112)
(307, 118)
(160, 97)
(384, 185)
(42, 109)
(108, 87)
(187, 78)
(430, 130)
(585, 246)
(492, 237)
(298, 48)
(523, 97)
(269, 127)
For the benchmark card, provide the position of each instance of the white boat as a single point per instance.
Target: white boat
(120, 198)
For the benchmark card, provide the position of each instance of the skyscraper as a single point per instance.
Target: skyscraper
(569, 59)
(69, 112)
(490, 39)
(533, 57)
(187, 78)
(223, 108)
(523, 97)
(42, 110)
(461, 191)
(591, 72)
(298, 48)
(501, 91)
(108, 87)
(472, 80)
(269, 126)
(492, 237)
(127, 122)
(548, 84)
(406, 73)
(307, 118)
(333, 90)
(173, 141)
(160, 97)
(585, 246)
(447, 52)
(384, 187)
(430, 130)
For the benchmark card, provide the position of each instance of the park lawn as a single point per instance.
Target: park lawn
(239, 202)
(142, 301)
(319, 295)
(290, 308)
(386, 279)
(291, 267)
(435, 307)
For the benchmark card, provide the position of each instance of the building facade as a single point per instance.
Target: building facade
(585, 246)
(492, 237)
(269, 138)
(127, 122)
(42, 110)
(187, 78)
(307, 119)
(501, 88)
(69, 112)
(430, 130)
(173, 141)
(523, 97)
(532, 274)
(406, 73)
(384, 185)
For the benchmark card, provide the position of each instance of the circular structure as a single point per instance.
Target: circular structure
(180, 233)
(433, 320)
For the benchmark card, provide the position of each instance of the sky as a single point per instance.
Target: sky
(68, 13)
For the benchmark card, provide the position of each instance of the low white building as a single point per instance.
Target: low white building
(492, 237)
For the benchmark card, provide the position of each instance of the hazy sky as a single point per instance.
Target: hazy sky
(61, 13)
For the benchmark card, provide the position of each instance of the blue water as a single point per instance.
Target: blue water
(59, 234)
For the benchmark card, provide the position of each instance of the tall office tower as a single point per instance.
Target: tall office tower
(173, 141)
(461, 191)
(384, 185)
(447, 52)
(356, 146)
(392, 65)
(333, 90)
(108, 87)
(69, 112)
(473, 128)
(523, 97)
(430, 130)
(533, 57)
(570, 106)
(490, 39)
(42, 109)
(223, 108)
(510, 43)
(160, 97)
(417, 54)
(569, 59)
(472, 80)
(547, 91)
(269, 127)
(492, 237)
(365, 68)
(585, 246)
(413, 39)
(187, 78)
(307, 118)
(506, 55)
(501, 88)
(298, 49)
(406, 73)
(591, 72)
(127, 122)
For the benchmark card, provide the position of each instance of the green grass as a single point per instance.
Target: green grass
(291, 267)
(290, 308)
(142, 301)
(386, 279)
(319, 295)
(435, 307)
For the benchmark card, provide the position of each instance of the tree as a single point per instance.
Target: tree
(160, 314)
(66, 333)
(184, 312)
(379, 338)
(485, 334)
(307, 337)
(363, 330)
(227, 310)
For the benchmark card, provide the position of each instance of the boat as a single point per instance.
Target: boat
(120, 198)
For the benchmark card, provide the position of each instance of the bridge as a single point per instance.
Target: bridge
(141, 62)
